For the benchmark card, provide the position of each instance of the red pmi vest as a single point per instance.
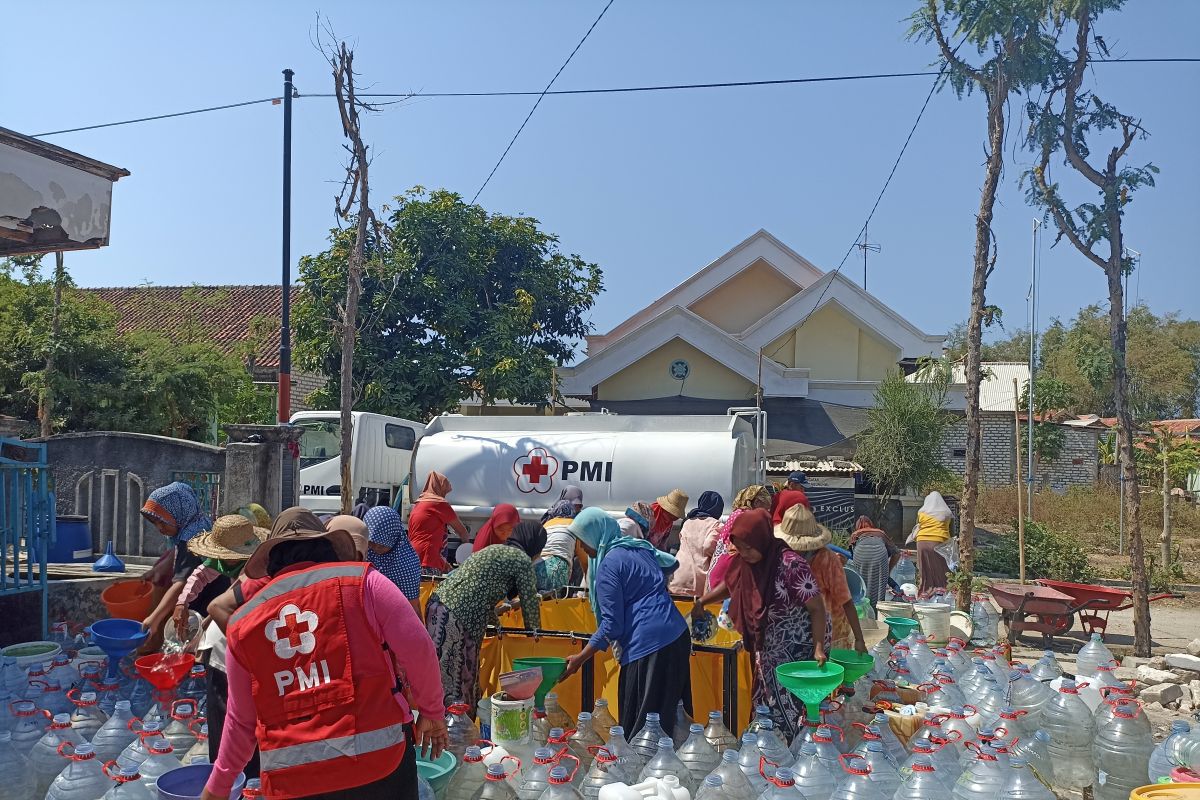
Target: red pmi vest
(324, 723)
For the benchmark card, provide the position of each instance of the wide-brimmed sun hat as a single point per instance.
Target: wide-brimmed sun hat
(232, 538)
(342, 542)
(674, 503)
(800, 530)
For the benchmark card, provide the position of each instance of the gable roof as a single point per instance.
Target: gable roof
(224, 314)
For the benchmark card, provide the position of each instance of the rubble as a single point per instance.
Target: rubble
(1193, 647)
(1149, 675)
(1163, 693)
(1184, 661)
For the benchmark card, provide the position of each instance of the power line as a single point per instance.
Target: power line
(598, 91)
(538, 102)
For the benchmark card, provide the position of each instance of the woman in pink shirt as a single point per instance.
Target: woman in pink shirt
(697, 541)
(369, 649)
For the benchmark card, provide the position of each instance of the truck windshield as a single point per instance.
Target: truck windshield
(321, 441)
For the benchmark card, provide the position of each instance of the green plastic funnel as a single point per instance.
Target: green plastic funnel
(854, 663)
(899, 627)
(552, 669)
(810, 682)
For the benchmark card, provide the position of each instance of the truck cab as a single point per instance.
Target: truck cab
(382, 448)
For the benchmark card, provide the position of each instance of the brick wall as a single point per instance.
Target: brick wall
(1076, 465)
(304, 384)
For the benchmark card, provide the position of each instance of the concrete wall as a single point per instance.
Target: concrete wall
(835, 347)
(106, 477)
(650, 377)
(745, 298)
(1077, 465)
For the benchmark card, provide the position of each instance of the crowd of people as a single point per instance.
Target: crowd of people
(267, 586)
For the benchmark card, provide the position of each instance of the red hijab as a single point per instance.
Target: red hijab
(488, 535)
(751, 585)
(660, 525)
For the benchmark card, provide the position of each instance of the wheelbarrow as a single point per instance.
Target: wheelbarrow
(1032, 607)
(1105, 600)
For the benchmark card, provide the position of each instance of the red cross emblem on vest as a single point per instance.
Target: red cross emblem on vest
(535, 471)
(293, 632)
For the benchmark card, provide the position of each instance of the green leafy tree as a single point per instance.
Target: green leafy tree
(1012, 347)
(1050, 396)
(1171, 459)
(455, 302)
(1073, 121)
(902, 445)
(1015, 51)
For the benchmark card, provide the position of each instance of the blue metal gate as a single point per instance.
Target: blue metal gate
(27, 520)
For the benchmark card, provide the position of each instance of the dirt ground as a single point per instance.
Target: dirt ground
(1173, 623)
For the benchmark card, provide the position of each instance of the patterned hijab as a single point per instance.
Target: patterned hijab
(562, 509)
(401, 563)
(176, 504)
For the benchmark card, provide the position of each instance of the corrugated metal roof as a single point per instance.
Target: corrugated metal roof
(996, 390)
(811, 466)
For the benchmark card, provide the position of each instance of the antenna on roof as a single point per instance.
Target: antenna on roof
(866, 247)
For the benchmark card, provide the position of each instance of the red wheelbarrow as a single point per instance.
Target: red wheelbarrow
(1031, 607)
(1099, 599)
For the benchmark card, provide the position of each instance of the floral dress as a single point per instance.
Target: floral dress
(788, 636)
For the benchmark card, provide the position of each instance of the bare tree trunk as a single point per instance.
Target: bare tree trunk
(1164, 541)
(46, 401)
(973, 367)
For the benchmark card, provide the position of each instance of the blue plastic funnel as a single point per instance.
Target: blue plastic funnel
(117, 638)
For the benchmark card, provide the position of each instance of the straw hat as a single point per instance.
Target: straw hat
(674, 503)
(232, 538)
(342, 541)
(800, 530)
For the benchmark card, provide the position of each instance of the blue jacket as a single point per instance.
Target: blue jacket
(636, 612)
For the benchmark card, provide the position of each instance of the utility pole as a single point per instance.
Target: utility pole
(46, 401)
(1033, 321)
(866, 247)
(285, 322)
(1017, 460)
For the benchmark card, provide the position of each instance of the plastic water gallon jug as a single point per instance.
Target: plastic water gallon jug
(943, 757)
(1068, 722)
(904, 571)
(129, 785)
(602, 718)
(108, 692)
(931, 730)
(461, 729)
(773, 747)
(815, 779)
(200, 748)
(1021, 783)
(14, 766)
(985, 621)
(535, 776)
(82, 779)
(560, 786)
(468, 778)
(630, 760)
(982, 778)
(827, 740)
(761, 714)
(750, 762)
(988, 698)
(713, 788)
(665, 763)
(1046, 669)
(697, 754)
(1009, 724)
(922, 783)
(1160, 764)
(495, 785)
(856, 783)
(732, 778)
(783, 787)
(891, 743)
(683, 723)
(718, 735)
(195, 687)
(160, 761)
(555, 716)
(116, 733)
(871, 734)
(943, 693)
(605, 770)
(141, 699)
(137, 751)
(29, 726)
(1121, 752)
(63, 672)
(1028, 695)
(178, 729)
(45, 758)
(883, 769)
(583, 741)
(88, 718)
(646, 740)
(12, 677)
(1035, 750)
(667, 788)
(1092, 655)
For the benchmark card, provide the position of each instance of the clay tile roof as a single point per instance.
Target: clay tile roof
(1177, 427)
(224, 313)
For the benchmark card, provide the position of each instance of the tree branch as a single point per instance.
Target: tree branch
(1073, 82)
(1055, 207)
(947, 53)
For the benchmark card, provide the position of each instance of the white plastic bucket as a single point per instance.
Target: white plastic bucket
(889, 608)
(935, 621)
(511, 720)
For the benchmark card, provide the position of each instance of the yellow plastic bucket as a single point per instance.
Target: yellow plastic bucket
(1167, 791)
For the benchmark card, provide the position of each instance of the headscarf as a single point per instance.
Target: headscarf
(360, 510)
(746, 497)
(437, 486)
(573, 493)
(710, 504)
(488, 535)
(529, 537)
(562, 509)
(751, 585)
(864, 526)
(176, 504)
(934, 506)
(353, 526)
(640, 524)
(401, 563)
(600, 532)
(661, 521)
(256, 514)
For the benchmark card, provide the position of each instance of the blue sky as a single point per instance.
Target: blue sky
(650, 186)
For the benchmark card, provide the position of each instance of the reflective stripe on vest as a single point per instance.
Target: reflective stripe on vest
(289, 582)
(296, 755)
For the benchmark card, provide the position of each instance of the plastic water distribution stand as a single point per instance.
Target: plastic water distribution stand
(117, 638)
(811, 682)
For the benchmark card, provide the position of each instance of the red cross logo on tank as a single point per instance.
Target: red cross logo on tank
(535, 471)
(320, 713)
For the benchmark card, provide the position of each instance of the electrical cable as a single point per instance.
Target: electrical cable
(538, 102)
(612, 90)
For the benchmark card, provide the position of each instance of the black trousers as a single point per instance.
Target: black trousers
(401, 784)
(218, 697)
(656, 683)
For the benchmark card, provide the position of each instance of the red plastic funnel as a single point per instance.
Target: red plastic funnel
(165, 671)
